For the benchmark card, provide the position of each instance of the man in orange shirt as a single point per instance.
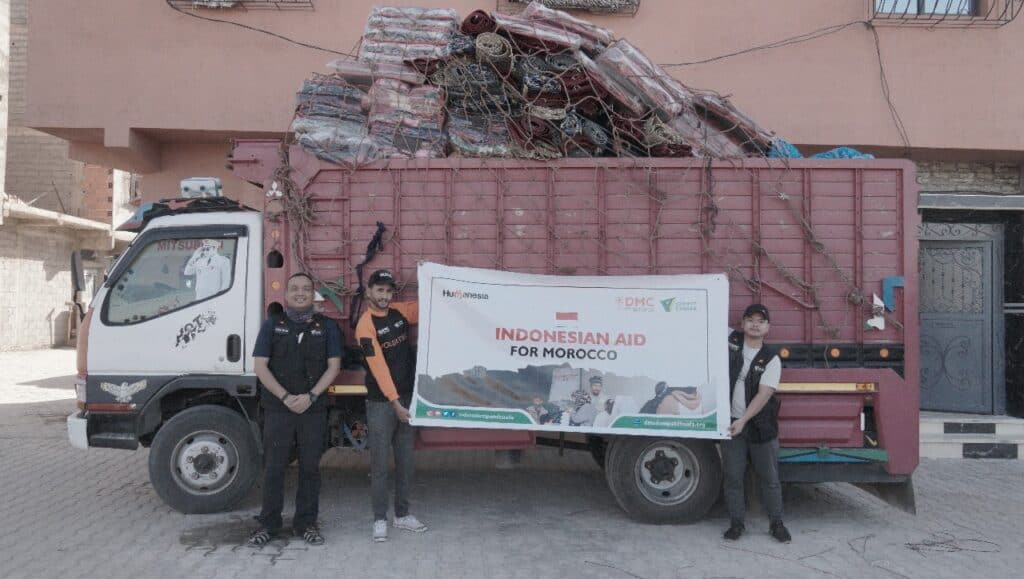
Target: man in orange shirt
(383, 334)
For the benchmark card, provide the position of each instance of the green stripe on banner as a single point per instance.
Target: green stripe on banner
(702, 424)
(424, 410)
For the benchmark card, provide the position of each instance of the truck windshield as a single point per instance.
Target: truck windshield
(168, 275)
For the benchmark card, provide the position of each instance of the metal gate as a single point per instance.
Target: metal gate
(961, 295)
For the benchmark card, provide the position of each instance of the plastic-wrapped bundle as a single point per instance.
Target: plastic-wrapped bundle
(630, 72)
(367, 72)
(335, 87)
(409, 35)
(392, 101)
(738, 126)
(705, 139)
(339, 148)
(598, 37)
(622, 94)
(552, 38)
(417, 14)
(402, 51)
(329, 126)
(398, 34)
(333, 109)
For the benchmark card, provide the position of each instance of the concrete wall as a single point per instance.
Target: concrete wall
(969, 177)
(5, 61)
(36, 284)
(199, 83)
(36, 163)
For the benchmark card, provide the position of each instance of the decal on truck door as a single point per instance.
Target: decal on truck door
(197, 325)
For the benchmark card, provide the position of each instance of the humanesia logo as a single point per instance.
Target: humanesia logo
(464, 295)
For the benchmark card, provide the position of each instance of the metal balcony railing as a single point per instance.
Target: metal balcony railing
(243, 4)
(629, 7)
(946, 13)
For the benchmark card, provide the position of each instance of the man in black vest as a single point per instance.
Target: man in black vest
(297, 356)
(754, 374)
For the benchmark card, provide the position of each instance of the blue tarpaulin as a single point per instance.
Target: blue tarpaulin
(783, 149)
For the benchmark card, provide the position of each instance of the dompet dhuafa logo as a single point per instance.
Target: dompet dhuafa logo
(678, 305)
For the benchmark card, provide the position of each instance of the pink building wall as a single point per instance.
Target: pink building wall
(136, 85)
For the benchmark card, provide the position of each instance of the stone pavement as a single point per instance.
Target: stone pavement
(70, 513)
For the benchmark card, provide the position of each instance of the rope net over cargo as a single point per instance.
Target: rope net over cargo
(504, 97)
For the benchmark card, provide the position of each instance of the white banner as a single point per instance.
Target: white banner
(643, 355)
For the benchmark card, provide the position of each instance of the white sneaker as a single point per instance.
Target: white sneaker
(409, 523)
(380, 531)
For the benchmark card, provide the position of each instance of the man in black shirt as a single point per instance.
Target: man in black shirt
(297, 355)
(383, 334)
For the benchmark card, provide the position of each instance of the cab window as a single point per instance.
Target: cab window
(169, 275)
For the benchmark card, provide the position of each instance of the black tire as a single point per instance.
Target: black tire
(663, 480)
(204, 460)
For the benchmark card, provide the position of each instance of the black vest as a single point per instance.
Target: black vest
(764, 426)
(298, 364)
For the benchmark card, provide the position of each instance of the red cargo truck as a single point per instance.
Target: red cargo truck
(821, 242)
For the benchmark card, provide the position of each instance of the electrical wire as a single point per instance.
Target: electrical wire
(260, 30)
(805, 37)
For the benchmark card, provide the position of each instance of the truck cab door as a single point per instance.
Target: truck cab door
(174, 305)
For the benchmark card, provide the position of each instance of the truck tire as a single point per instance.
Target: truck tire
(204, 460)
(663, 480)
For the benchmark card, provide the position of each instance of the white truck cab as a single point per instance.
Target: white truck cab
(165, 353)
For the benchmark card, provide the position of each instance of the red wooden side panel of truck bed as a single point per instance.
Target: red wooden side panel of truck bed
(811, 239)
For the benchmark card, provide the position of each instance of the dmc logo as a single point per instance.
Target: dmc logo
(637, 303)
(464, 295)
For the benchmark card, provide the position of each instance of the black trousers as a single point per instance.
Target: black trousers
(279, 429)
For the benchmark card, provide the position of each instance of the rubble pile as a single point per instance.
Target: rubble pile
(539, 85)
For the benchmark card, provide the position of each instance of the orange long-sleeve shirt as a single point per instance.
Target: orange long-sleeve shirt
(390, 359)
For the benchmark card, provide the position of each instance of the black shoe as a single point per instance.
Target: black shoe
(735, 531)
(780, 533)
(259, 537)
(311, 535)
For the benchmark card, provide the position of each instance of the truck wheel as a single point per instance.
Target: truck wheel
(663, 480)
(203, 460)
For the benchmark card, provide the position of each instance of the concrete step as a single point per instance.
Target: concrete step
(948, 423)
(971, 449)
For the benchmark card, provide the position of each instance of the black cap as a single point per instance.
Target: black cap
(596, 379)
(381, 277)
(756, 309)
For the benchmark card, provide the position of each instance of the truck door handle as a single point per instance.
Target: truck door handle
(234, 348)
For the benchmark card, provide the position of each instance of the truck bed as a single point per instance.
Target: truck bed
(814, 240)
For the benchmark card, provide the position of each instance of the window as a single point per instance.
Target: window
(934, 7)
(168, 275)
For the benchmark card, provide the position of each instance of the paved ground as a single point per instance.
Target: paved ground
(69, 513)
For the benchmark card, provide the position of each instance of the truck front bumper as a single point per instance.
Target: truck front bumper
(77, 434)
